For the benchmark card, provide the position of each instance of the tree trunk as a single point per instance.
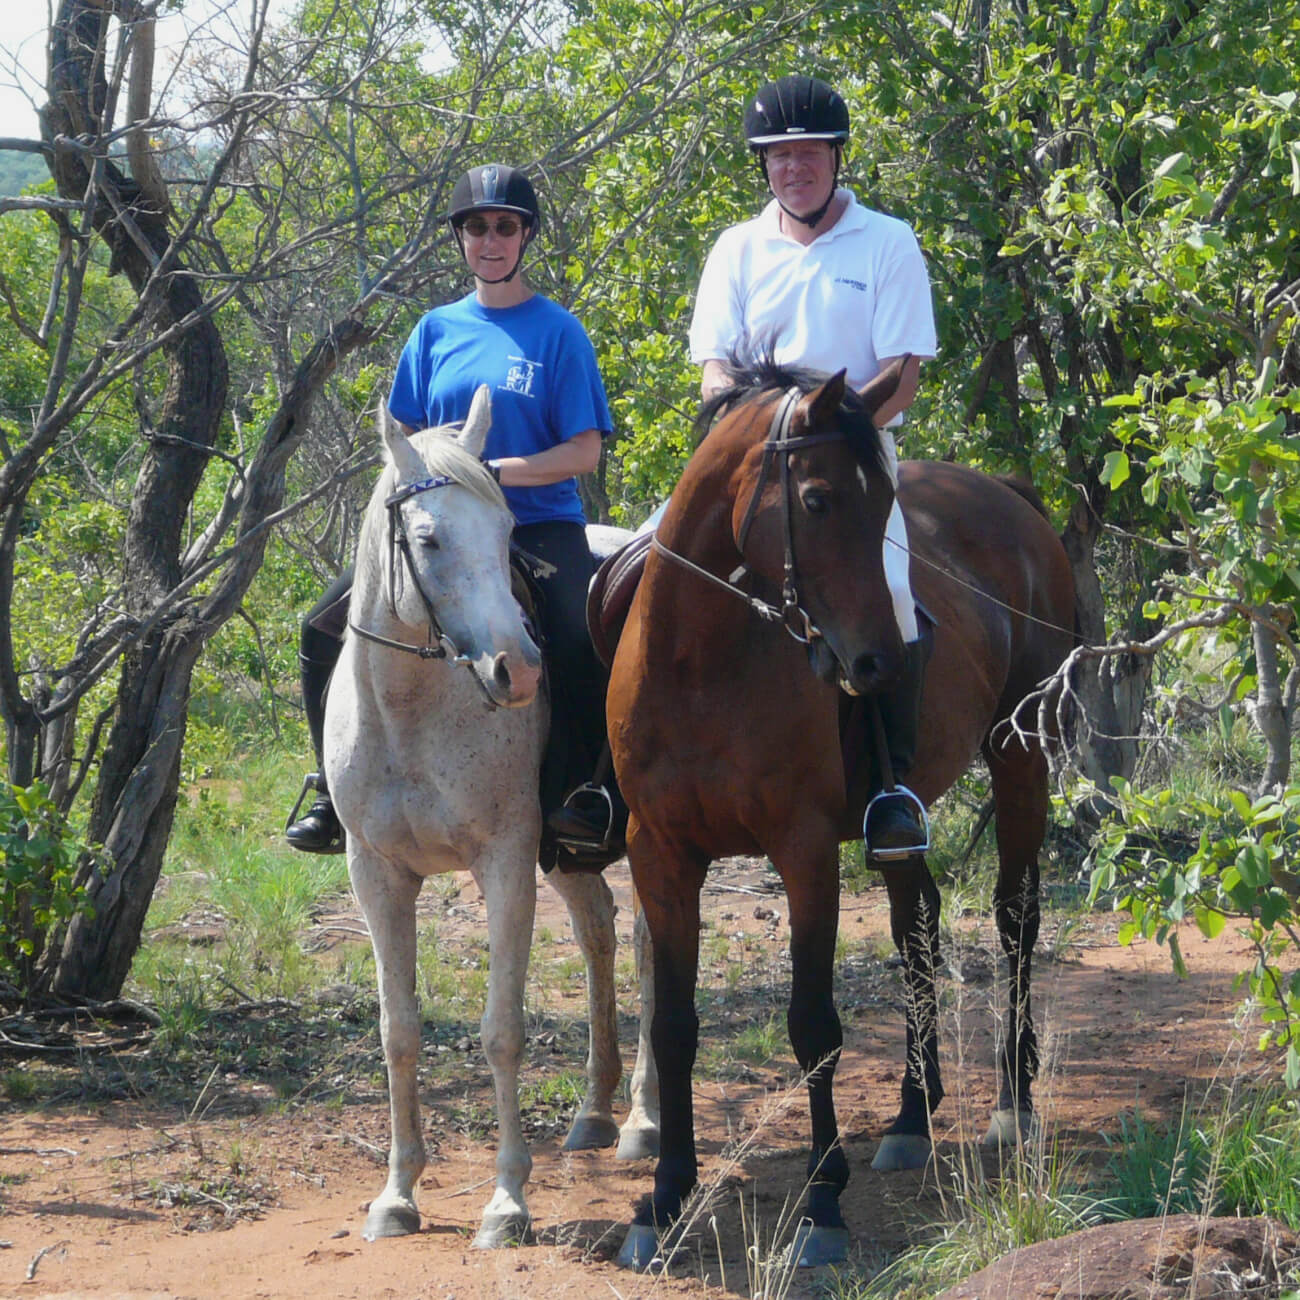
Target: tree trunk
(135, 799)
(132, 814)
(1113, 689)
(1271, 714)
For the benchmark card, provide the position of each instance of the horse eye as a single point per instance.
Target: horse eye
(816, 501)
(428, 540)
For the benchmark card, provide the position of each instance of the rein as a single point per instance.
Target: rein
(438, 645)
(791, 614)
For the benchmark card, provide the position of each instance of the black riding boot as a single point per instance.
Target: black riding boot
(318, 830)
(895, 824)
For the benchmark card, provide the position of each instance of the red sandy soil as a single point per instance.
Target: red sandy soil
(224, 1193)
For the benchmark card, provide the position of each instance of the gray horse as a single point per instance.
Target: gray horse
(434, 732)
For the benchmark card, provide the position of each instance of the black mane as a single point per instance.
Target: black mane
(751, 380)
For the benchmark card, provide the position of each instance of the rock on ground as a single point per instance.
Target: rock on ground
(1174, 1258)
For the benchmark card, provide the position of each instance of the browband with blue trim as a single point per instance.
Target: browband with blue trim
(423, 485)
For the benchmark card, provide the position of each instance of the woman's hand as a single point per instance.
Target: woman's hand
(577, 455)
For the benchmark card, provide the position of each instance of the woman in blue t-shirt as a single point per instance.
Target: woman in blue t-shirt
(549, 414)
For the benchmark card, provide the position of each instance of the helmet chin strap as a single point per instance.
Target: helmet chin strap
(510, 274)
(813, 217)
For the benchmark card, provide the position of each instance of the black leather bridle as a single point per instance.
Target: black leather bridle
(791, 613)
(438, 645)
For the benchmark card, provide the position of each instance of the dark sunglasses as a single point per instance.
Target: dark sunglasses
(505, 227)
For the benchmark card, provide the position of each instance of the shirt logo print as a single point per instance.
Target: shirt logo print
(859, 285)
(519, 378)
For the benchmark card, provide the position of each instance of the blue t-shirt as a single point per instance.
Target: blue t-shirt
(541, 368)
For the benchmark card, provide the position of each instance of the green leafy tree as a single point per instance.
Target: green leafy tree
(267, 238)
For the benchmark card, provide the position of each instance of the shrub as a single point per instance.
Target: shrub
(39, 891)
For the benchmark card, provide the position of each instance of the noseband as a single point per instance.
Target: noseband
(791, 614)
(438, 645)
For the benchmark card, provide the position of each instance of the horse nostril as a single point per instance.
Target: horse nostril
(501, 671)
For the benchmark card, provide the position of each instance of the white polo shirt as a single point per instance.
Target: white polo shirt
(858, 292)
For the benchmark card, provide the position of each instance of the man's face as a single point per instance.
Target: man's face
(801, 173)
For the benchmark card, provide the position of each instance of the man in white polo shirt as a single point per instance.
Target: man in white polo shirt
(823, 282)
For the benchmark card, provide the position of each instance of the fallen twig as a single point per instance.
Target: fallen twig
(375, 1153)
(40, 1255)
(32, 1047)
(471, 1187)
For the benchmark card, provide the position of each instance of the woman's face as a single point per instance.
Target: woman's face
(493, 242)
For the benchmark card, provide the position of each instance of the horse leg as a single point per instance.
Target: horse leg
(591, 909)
(387, 899)
(1020, 792)
(812, 889)
(914, 923)
(639, 1137)
(511, 900)
(669, 888)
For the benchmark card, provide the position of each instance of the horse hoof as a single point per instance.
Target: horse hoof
(390, 1221)
(902, 1151)
(638, 1144)
(590, 1132)
(813, 1246)
(641, 1251)
(1008, 1127)
(498, 1230)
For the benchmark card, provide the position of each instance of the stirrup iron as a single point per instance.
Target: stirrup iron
(904, 850)
(588, 788)
(312, 781)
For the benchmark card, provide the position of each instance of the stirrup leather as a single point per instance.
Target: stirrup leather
(904, 850)
(574, 801)
(312, 781)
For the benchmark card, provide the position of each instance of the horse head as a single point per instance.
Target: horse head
(434, 556)
(812, 497)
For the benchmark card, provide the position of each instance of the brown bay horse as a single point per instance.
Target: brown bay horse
(767, 560)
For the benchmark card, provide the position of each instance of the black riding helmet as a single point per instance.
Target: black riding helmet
(495, 187)
(797, 108)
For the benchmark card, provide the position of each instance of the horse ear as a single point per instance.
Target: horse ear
(824, 402)
(479, 422)
(405, 459)
(876, 392)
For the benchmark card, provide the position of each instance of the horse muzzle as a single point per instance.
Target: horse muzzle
(866, 673)
(511, 678)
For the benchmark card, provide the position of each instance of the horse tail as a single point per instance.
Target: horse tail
(1022, 487)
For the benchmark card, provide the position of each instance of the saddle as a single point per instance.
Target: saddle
(609, 596)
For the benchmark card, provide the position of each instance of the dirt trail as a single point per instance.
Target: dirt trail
(228, 1194)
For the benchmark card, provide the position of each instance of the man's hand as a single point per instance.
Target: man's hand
(714, 379)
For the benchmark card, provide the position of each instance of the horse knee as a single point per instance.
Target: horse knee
(401, 1044)
(503, 1044)
(1018, 921)
(816, 1033)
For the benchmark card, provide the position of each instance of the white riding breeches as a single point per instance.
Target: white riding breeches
(898, 574)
